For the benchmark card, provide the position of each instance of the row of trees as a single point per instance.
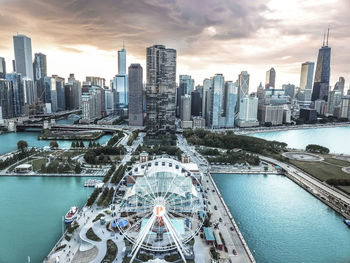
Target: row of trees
(99, 155)
(229, 140)
(115, 138)
(106, 197)
(15, 158)
(314, 148)
(118, 175)
(132, 137)
(93, 197)
(159, 149)
(109, 174)
(236, 157)
(336, 182)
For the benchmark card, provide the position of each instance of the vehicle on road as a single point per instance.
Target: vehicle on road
(234, 251)
(215, 207)
(220, 220)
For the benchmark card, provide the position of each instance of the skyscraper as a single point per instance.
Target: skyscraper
(270, 78)
(334, 100)
(2, 68)
(185, 114)
(196, 103)
(120, 82)
(289, 90)
(340, 85)
(206, 87)
(16, 88)
(6, 99)
(23, 56)
(122, 62)
(306, 75)
(187, 83)
(248, 112)
(243, 87)
(60, 89)
(322, 74)
(135, 95)
(39, 66)
(231, 101)
(217, 105)
(160, 90)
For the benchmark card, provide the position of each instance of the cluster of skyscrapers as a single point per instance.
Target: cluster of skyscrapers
(215, 104)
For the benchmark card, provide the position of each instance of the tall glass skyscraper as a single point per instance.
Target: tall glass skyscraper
(243, 87)
(17, 91)
(39, 66)
(217, 101)
(160, 89)
(120, 82)
(23, 56)
(322, 74)
(306, 75)
(270, 78)
(2, 68)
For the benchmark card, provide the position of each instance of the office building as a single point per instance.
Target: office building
(120, 83)
(198, 123)
(122, 61)
(95, 81)
(309, 115)
(6, 100)
(196, 103)
(271, 114)
(340, 85)
(306, 76)
(60, 89)
(109, 102)
(231, 91)
(39, 66)
(243, 87)
(160, 89)
(334, 100)
(217, 104)
(2, 68)
(345, 108)
(186, 83)
(50, 92)
(29, 91)
(135, 75)
(16, 88)
(322, 74)
(320, 107)
(248, 111)
(23, 56)
(270, 79)
(289, 90)
(185, 108)
(87, 107)
(205, 102)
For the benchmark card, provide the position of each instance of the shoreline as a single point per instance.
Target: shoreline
(249, 131)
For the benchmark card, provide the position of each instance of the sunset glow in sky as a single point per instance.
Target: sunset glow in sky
(210, 36)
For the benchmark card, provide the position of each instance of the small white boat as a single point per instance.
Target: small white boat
(71, 214)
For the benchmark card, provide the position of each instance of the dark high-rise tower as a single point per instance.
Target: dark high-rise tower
(23, 56)
(322, 74)
(270, 78)
(2, 68)
(161, 85)
(135, 95)
(39, 66)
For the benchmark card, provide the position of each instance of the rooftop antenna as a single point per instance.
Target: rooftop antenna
(123, 44)
(327, 36)
(324, 36)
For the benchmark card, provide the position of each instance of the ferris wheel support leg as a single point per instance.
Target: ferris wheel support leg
(175, 237)
(141, 238)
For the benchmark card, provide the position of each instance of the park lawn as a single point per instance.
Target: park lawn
(331, 160)
(37, 164)
(345, 188)
(322, 171)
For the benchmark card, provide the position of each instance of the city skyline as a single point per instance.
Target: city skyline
(205, 42)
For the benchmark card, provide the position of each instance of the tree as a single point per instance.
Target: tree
(53, 144)
(73, 144)
(77, 169)
(81, 144)
(21, 145)
(90, 144)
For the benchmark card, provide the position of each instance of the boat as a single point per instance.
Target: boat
(347, 222)
(71, 215)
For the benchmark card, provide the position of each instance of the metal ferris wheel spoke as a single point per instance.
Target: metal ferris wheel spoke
(170, 185)
(174, 190)
(138, 184)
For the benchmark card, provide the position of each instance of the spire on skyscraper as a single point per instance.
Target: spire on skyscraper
(327, 37)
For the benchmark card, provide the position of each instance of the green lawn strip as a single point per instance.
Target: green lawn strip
(337, 162)
(321, 170)
(37, 164)
(90, 234)
(345, 188)
(111, 252)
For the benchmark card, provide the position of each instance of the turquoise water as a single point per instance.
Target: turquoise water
(31, 214)
(8, 141)
(283, 223)
(337, 139)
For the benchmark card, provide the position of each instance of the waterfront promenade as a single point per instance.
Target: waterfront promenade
(229, 229)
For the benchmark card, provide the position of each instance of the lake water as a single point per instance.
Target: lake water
(281, 222)
(31, 214)
(8, 141)
(337, 139)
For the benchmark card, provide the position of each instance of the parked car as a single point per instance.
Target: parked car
(234, 251)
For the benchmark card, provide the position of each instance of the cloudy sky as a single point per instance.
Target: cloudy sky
(210, 36)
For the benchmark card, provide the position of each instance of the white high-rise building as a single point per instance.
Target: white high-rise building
(334, 100)
(23, 56)
(243, 87)
(120, 82)
(306, 76)
(248, 112)
(217, 105)
(122, 62)
(345, 108)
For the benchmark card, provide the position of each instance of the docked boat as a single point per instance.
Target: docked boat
(347, 222)
(71, 215)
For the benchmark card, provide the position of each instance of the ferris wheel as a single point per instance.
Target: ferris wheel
(161, 207)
